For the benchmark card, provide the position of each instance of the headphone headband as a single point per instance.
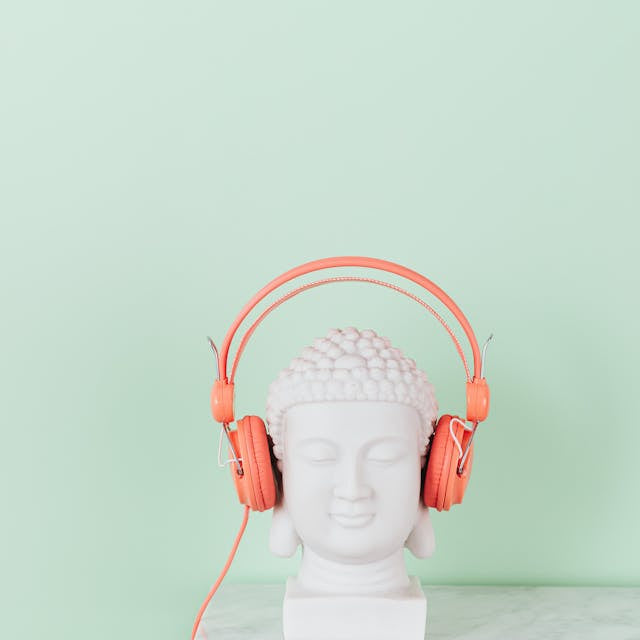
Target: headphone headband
(350, 261)
(317, 283)
(477, 389)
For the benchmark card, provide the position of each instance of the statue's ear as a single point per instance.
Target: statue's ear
(422, 541)
(283, 538)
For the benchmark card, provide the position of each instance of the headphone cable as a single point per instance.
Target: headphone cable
(243, 526)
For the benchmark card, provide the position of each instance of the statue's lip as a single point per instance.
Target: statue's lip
(351, 519)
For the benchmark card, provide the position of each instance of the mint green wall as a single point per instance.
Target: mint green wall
(162, 161)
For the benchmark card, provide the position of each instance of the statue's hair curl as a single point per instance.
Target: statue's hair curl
(349, 364)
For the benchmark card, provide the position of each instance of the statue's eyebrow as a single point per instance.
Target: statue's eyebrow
(394, 441)
(317, 447)
(317, 439)
(308, 443)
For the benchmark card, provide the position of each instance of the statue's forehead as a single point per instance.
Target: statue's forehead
(351, 419)
(351, 408)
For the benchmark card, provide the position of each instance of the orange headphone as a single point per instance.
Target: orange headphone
(450, 455)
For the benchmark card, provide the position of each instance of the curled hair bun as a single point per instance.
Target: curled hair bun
(348, 364)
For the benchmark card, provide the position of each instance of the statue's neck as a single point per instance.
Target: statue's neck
(326, 576)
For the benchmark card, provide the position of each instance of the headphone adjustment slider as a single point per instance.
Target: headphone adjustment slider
(222, 394)
(477, 400)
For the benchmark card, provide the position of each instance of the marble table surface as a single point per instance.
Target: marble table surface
(252, 612)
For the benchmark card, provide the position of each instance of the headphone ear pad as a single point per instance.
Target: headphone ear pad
(256, 487)
(443, 487)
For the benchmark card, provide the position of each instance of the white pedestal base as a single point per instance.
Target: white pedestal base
(308, 616)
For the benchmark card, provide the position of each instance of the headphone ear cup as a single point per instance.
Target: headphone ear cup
(256, 487)
(443, 487)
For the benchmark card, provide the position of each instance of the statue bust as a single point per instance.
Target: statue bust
(350, 421)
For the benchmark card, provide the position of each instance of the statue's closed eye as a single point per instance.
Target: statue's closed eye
(318, 451)
(387, 452)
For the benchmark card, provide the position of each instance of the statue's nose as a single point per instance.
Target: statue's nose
(351, 483)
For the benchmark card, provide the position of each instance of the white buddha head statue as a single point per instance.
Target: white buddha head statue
(350, 420)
